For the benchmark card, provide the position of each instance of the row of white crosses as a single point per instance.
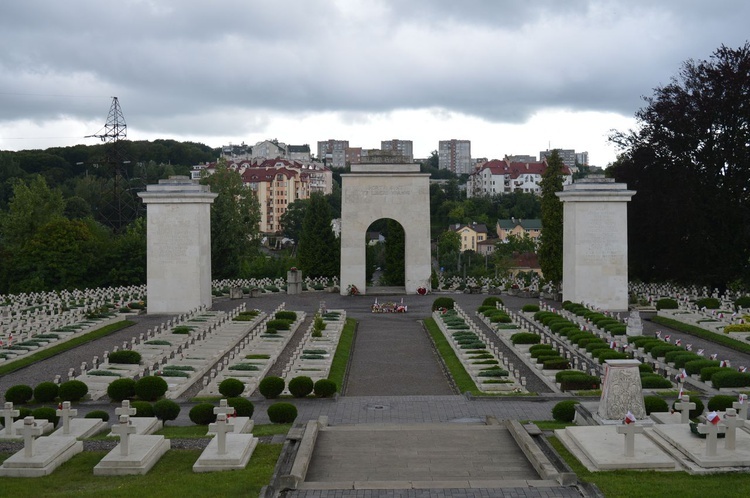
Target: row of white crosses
(30, 431)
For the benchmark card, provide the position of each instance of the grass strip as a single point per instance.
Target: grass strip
(629, 483)
(201, 431)
(172, 476)
(460, 376)
(703, 334)
(65, 346)
(341, 356)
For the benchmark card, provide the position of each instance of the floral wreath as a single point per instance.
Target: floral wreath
(352, 290)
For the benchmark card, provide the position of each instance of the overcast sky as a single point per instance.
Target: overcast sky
(514, 77)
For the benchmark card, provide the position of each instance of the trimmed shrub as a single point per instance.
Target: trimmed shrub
(710, 303)
(720, 402)
(697, 411)
(231, 388)
(654, 381)
(242, 407)
(19, 394)
(271, 387)
(121, 389)
(525, 338)
(301, 386)
(530, 308)
(645, 368)
(150, 388)
(286, 315)
(278, 325)
(742, 302)
(540, 347)
(666, 304)
(46, 392)
(142, 408)
(565, 411)
(182, 329)
(695, 366)
(46, 413)
(581, 382)
(73, 390)
(98, 414)
(708, 372)
(660, 351)
(491, 301)
(604, 355)
(125, 357)
(655, 404)
(324, 388)
(556, 364)
(282, 413)
(730, 378)
(202, 414)
(443, 303)
(166, 409)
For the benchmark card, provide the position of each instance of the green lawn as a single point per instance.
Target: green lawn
(458, 372)
(172, 476)
(343, 350)
(637, 483)
(25, 361)
(708, 335)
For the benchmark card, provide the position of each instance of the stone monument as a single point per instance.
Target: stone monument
(294, 281)
(621, 392)
(178, 237)
(635, 326)
(395, 191)
(595, 242)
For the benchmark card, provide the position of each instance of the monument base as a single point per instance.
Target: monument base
(144, 425)
(242, 425)
(49, 453)
(145, 451)
(82, 428)
(239, 449)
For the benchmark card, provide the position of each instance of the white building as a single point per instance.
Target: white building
(499, 177)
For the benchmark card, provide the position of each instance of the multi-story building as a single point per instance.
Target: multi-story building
(404, 148)
(455, 155)
(471, 235)
(499, 177)
(582, 158)
(333, 152)
(521, 158)
(353, 155)
(299, 153)
(269, 149)
(568, 156)
(277, 183)
(519, 228)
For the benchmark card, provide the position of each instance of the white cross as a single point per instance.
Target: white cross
(630, 430)
(684, 406)
(8, 413)
(732, 422)
(741, 409)
(124, 430)
(712, 432)
(66, 412)
(223, 408)
(30, 431)
(221, 428)
(125, 409)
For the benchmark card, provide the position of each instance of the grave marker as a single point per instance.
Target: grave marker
(684, 406)
(124, 430)
(221, 428)
(29, 432)
(9, 413)
(66, 413)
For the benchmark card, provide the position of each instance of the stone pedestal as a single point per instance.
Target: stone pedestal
(635, 325)
(621, 391)
(595, 243)
(142, 454)
(49, 453)
(178, 233)
(294, 282)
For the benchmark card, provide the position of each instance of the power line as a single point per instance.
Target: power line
(55, 95)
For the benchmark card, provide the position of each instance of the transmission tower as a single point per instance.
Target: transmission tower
(120, 205)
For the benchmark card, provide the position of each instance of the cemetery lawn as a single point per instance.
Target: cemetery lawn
(200, 431)
(172, 476)
(343, 351)
(629, 483)
(460, 376)
(65, 346)
(703, 334)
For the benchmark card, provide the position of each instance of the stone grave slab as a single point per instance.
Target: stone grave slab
(48, 454)
(143, 453)
(82, 428)
(144, 425)
(239, 449)
(666, 418)
(694, 447)
(242, 425)
(602, 448)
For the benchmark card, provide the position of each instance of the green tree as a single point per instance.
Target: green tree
(689, 162)
(235, 216)
(551, 246)
(33, 205)
(127, 257)
(505, 252)
(292, 219)
(395, 267)
(318, 250)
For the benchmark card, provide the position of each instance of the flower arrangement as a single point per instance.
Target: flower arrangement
(352, 290)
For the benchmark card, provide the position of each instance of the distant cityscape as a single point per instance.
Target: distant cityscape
(281, 173)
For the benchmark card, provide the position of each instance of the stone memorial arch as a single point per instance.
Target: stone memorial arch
(396, 191)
